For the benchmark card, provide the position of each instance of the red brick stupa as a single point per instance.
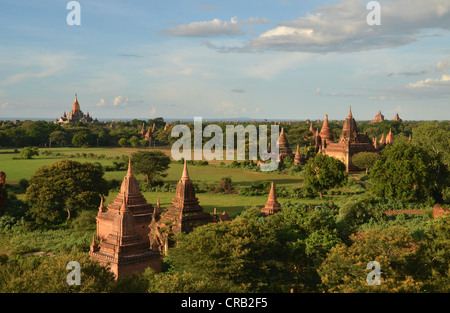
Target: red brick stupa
(184, 215)
(283, 146)
(326, 133)
(272, 206)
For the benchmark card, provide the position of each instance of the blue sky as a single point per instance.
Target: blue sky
(269, 59)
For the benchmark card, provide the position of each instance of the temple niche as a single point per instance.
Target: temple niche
(76, 115)
(122, 232)
(350, 143)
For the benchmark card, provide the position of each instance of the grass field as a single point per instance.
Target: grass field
(17, 169)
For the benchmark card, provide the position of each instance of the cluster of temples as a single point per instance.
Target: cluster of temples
(132, 234)
(349, 143)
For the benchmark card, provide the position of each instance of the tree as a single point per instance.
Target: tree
(134, 141)
(48, 275)
(123, 142)
(345, 268)
(433, 255)
(58, 138)
(81, 139)
(324, 172)
(365, 160)
(433, 138)
(29, 152)
(408, 172)
(152, 164)
(64, 186)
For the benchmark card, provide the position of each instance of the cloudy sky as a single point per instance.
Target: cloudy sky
(274, 59)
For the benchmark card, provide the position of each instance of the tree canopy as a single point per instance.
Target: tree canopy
(408, 172)
(152, 164)
(64, 186)
(324, 172)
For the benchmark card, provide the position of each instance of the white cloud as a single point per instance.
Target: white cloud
(430, 82)
(443, 66)
(102, 103)
(39, 66)
(120, 100)
(342, 27)
(214, 28)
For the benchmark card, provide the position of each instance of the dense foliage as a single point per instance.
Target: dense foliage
(58, 190)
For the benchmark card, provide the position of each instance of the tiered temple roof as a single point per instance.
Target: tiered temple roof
(184, 215)
(122, 229)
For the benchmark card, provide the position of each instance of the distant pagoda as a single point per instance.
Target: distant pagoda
(272, 206)
(76, 115)
(378, 118)
(283, 146)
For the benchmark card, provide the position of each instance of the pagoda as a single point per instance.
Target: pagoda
(350, 143)
(326, 133)
(76, 115)
(390, 137)
(378, 118)
(397, 118)
(272, 206)
(298, 159)
(283, 146)
(136, 203)
(124, 250)
(182, 216)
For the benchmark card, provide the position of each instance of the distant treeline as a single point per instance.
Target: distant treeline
(18, 134)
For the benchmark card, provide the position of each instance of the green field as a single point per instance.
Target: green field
(17, 169)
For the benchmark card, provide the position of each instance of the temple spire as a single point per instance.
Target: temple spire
(272, 195)
(130, 172)
(185, 175)
(350, 112)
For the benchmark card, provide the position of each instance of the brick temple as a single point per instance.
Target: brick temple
(183, 215)
(350, 142)
(122, 232)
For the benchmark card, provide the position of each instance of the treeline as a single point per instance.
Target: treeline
(18, 134)
(47, 134)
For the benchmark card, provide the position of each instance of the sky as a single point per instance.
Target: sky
(265, 59)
